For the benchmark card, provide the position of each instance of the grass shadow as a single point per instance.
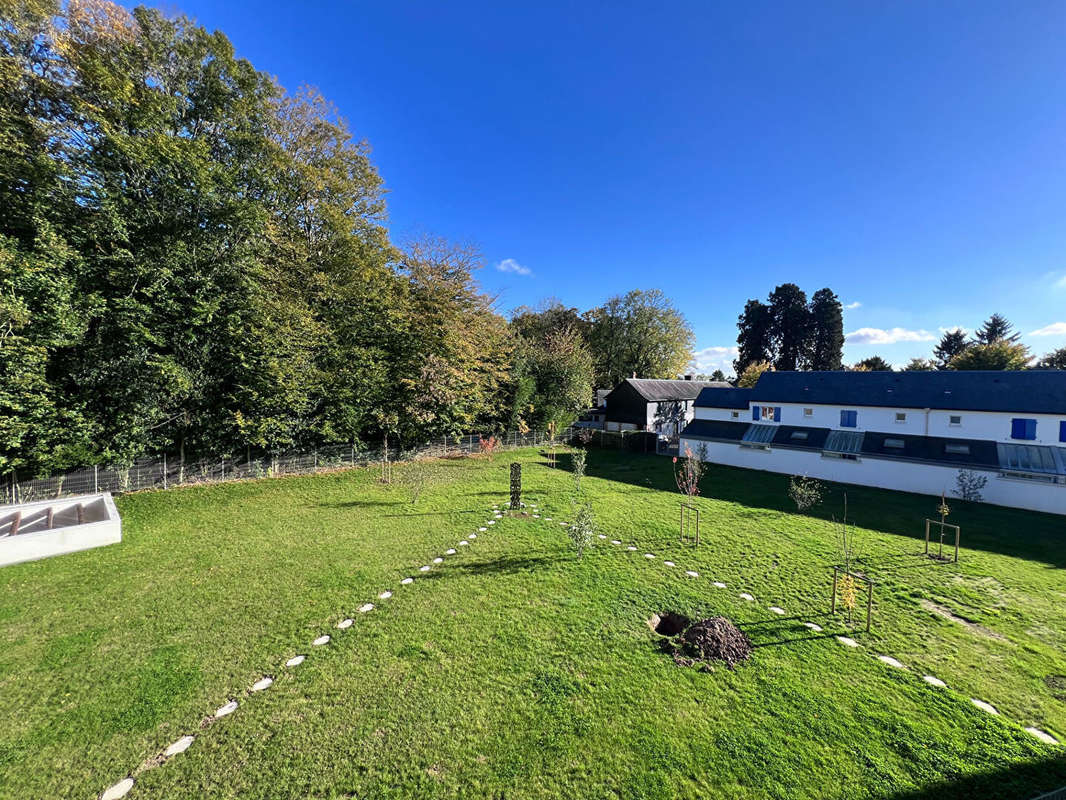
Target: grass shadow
(1013, 782)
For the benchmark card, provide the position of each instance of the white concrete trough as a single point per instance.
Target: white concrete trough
(29, 531)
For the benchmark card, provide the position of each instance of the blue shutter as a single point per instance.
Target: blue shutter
(849, 419)
(777, 413)
(755, 413)
(1030, 429)
(1062, 431)
(1021, 428)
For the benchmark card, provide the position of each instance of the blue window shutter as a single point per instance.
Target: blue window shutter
(1030, 429)
(848, 419)
(755, 413)
(777, 413)
(1062, 431)
(1021, 428)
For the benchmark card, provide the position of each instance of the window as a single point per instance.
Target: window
(894, 444)
(901, 416)
(957, 449)
(809, 412)
(736, 415)
(1062, 431)
(849, 419)
(954, 419)
(767, 413)
(799, 436)
(1021, 428)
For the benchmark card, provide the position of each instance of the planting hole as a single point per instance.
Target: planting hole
(668, 623)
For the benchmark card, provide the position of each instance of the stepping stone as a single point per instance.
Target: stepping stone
(536, 516)
(180, 746)
(366, 607)
(669, 564)
(226, 710)
(891, 662)
(384, 595)
(321, 640)
(615, 541)
(464, 543)
(777, 610)
(482, 529)
(934, 681)
(491, 522)
(450, 551)
(601, 536)
(263, 683)
(1043, 736)
(295, 661)
(120, 789)
(746, 596)
(563, 524)
(847, 641)
(649, 555)
(406, 581)
(424, 568)
(473, 536)
(438, 560)
(692, 574)
(981, 704)
(718, 585)
(813, 626)
(547, 519)
(631, 549)
(345, 624)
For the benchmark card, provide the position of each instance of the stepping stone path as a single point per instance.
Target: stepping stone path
(345, 624)
(464, 543)
(692, 574)
(563, 524)
(482, 529)
(407, 581)
(261, 684)
(1043, 736)
(473, 536)
(669, 564)
(450, 551)
(847, 641)
(295, 661)
(601, 536)
(491, 522)
(718, 585)
(813, 626)
(226, 710)
(438, 560)
(777, 610)
(180, 746)
(536, 516)
(120, 789)
(891, 662)
(615, 541)
(649, 555)
(746, 596)
(548, 519)
(981, 704)
(631, 549)
(424, 568)
(932, 681)
(384, 595)
(366, 607)
(321, 640)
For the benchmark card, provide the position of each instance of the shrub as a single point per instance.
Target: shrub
(582, 529)
(417, 476)
(488, 447)
(690, 472)
(805, 492)
(968, 485)
(578, 461)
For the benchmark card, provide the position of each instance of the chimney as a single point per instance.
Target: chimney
(688, 377)
(634, 374)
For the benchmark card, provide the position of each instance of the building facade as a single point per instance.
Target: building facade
(910, 431)
(659, 406)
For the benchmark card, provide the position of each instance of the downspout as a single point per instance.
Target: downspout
(927, 421)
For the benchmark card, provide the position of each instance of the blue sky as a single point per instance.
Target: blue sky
(911, 156)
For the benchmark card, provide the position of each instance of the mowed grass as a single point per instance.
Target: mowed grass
(515, 670)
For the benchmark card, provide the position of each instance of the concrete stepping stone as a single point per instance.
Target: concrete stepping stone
(649, 555)
(424, 568)
(669, 564)
(226, 710)
(482, 529)
(847, 641)
(536, 516)
(345, 624)
(450, 551)
(438, 560)
(615, 541)
(263, 683)
(777, 610)
(631, 549)
(601, 536)
(365, 607)
(547, 519)
(1043, 736)
(563, 524)
(892, 662)
(933, 681)
(384, 595)
(473, 536)
(464, 543)
(981, 704)
(321, 640)
(718, 585)
(491, 522)
(295, 661)
(180, 746)
(120, 789)
(407, 581)
(746, 596)
(691, 573)
(813, 626)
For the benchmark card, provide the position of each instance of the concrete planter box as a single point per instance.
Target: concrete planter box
(29, 531)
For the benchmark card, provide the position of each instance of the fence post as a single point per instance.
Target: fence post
(164, 470)
(96, 478)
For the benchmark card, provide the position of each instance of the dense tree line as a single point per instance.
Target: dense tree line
(194, 260)
(787, 332)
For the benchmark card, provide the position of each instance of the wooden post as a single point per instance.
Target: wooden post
(51, 517)
(164, 470)
(869, 604)
(16, 522)
(81, 513)
(833, 607)
(96, 478)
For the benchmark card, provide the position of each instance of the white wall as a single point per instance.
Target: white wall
(743, 415)
(903, 476)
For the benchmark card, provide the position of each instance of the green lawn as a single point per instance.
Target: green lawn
(514, 670)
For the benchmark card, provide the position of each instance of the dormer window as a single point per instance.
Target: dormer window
(955, 419)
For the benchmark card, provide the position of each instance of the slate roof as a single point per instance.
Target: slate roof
(655, 391)
(715, 429)
(724, 397)
(1024, 392)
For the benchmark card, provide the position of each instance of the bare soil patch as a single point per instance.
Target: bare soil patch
(703, 642)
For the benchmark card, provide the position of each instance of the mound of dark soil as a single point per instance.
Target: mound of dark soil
(713, 639)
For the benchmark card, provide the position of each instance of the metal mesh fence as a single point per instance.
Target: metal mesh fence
(165, 473)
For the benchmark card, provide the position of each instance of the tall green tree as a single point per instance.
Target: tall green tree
(826, 344)
(996, 329)
(873, 364)
(919, 365)
(999, 355)
(1056, 359)
(791, 326)
(639, 333)
(951, 344)
(754, 345)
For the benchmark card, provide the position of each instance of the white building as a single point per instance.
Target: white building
(662, 406)
(911, 431)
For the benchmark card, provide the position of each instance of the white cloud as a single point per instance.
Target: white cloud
(1054, 329)
(709, 359)
(856, 304)
(954, 328)
(512, 266)
(890, 336)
